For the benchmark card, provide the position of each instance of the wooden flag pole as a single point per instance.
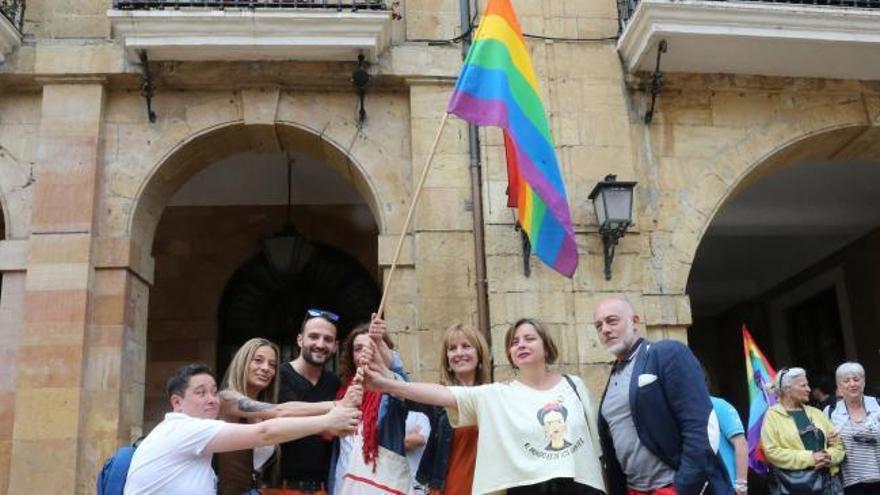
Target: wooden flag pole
(412, 208)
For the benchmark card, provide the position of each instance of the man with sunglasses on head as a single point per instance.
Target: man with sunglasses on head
(305, 463)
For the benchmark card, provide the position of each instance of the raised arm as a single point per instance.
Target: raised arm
(378, 378)
(378, 329)
(339, 421)
(236, 405)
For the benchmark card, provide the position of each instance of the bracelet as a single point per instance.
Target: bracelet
(741, 485)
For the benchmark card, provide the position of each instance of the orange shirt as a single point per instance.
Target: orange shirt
(462, 459)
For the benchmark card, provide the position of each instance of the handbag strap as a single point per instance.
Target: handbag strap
(580, 399)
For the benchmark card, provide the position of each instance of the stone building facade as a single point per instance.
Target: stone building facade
(107, 285)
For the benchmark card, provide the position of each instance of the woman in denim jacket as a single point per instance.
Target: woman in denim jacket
(374, 460)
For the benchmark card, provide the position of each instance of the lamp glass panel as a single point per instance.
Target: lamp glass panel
(599, 204)
(619, 204)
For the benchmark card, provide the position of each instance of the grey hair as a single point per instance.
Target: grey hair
(849, 369)
(784, 379)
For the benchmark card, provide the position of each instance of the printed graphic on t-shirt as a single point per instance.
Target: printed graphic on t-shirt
(557, 445)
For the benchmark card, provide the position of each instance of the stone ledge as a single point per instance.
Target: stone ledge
(78, 59)
(759, 38)
(117, 252)
(235, 35)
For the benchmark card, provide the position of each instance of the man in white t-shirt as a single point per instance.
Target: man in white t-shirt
(418, 429)
(175, 458)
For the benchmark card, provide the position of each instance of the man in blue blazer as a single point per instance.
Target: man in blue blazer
(656, 421)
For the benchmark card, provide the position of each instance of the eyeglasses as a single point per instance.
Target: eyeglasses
(320, 313)
(865, 439)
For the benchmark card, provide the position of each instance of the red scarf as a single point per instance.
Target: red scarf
(369, 421)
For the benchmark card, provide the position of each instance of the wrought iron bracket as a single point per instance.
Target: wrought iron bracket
(361, 79)
(656, 84)
(609, 244)
(526, 250)
(610, 238)
(147, 86)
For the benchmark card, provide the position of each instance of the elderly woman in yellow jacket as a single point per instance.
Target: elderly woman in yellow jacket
(797, 437)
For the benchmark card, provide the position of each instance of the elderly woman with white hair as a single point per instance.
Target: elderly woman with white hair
(857, 417)
(800, 442)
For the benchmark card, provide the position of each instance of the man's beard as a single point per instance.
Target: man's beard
(623, 343)
(617, 348)
(309, 357)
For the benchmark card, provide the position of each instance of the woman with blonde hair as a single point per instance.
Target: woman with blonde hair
(447, 465)
(799, 441)
(251, 376)
(517, 449)
(250, 394)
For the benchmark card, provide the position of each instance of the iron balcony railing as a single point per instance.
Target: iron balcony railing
(13, 10)
(628, 7)
(339, 5)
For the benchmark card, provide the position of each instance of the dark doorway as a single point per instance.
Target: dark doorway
(260, 301)
(814, 334)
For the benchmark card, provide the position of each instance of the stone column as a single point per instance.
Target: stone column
(667, 316)
(50, 401)
(12, 266)
(114, 360)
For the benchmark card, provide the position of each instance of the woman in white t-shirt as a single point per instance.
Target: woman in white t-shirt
(537, 432)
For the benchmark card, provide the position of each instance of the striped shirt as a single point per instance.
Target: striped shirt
(861, 441)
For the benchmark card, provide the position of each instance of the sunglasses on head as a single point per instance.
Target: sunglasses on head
(320, 313)
(782, 373)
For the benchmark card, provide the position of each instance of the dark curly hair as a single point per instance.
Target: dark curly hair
(347, 365)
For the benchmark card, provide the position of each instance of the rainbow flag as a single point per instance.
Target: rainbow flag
(497, 87)
(758, 374)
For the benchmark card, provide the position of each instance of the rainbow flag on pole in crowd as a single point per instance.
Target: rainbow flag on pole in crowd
(497, 87)
(758, 374)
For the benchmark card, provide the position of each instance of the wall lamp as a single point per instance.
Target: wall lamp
(613, 201)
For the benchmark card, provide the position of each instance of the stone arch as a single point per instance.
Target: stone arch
(190, 156)
(178, 160)
(832, 131)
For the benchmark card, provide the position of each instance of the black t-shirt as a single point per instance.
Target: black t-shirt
(307, 458)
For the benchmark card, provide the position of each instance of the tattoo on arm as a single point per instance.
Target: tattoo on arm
(243, 403)
(250, 405)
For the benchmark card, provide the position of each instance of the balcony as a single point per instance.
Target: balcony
(808, 38)
(252, 30)
(11, 24)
